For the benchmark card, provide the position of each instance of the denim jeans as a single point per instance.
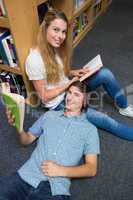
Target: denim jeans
(14, 188)
(104, 77)
(103, 121)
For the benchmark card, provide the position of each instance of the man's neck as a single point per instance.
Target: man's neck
(70, 113)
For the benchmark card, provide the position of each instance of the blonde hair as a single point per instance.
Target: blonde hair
(48, 52)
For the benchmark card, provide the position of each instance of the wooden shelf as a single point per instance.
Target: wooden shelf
(4, 22)
(81, 35)
(38, 2)
(107, 5)
(7, 68)
(83, 7)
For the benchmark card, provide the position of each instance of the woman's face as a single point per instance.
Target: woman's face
(56, 32)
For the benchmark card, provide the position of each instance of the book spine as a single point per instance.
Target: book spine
(8, 53)
(2, 51)
(4, 13)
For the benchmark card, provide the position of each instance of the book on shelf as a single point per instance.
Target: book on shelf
(3, 33)
(9, 51)
(78, 3)
(2, 8)
(14, 102)
(15, 81)
(94, 65)
(79, 24)
(7, 48)
(96, 2)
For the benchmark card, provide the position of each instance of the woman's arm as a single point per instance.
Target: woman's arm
(48, 94)
(88, 169)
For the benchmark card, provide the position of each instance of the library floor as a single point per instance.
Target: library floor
(112, 37)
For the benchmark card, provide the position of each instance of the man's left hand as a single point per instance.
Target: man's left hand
(50, 168)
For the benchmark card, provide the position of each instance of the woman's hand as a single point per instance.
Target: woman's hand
(50, 168)
(74, 79)
(10, 117)
(80, 72)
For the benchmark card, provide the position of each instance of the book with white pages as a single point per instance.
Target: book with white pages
(94, 65)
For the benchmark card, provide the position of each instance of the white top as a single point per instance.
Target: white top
(35, 69)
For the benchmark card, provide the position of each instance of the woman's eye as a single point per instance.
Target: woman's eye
(56, 29)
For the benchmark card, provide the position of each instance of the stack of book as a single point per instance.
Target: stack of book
(8, 54)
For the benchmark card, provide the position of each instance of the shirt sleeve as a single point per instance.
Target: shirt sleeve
(37, 128)
(34, 66)
(92, 145)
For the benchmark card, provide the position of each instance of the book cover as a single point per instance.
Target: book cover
(16, 103)
(94, 65)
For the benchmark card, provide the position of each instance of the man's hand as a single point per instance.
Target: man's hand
(50, 168)
(10, 117)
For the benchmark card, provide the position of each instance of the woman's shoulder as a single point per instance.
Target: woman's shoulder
(34, 53)
(34, 65)
(34, 58)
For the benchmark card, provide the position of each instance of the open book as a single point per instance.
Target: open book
(94, 65)
(16, 103)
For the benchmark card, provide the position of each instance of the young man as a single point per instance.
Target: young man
(64, 137)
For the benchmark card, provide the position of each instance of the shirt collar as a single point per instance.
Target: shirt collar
(77, 118)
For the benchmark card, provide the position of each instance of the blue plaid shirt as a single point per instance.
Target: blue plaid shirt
(63, 140)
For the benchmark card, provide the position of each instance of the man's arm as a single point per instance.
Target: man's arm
(88, 169)
(25, 137)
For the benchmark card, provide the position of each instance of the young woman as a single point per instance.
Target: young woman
(48, 68)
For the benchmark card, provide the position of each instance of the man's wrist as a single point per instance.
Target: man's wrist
(63, 171)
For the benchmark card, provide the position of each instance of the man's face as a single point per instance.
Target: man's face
(74, 99)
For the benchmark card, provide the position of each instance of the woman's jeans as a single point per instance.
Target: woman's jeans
(14, 188)
(103, 121)
(104, 77)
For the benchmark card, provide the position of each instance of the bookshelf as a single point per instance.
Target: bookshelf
(92, 8)
(23, 21)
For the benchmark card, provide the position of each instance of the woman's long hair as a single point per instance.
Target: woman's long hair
(48, 52)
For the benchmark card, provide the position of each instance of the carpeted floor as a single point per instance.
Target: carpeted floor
(112, 37)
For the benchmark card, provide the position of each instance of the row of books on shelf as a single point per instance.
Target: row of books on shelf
(8, 54)
(79, 24)
(3, 12)
(14, 81)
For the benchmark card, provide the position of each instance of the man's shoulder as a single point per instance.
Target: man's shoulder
(85, 122)
(52, 113)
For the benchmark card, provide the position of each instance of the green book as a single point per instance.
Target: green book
(16, 103)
